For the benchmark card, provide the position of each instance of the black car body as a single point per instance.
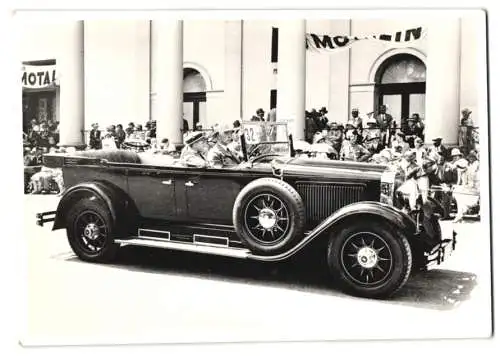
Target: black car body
(269, 210)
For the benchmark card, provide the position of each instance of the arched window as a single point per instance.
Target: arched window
(195, 98)
(400, 85)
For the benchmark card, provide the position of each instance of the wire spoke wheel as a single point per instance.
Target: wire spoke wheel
(366, 258)
(267, 218)
(91, 231)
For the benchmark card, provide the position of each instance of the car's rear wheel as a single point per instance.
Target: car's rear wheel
(369, 259)
(269, 216)
(90, 228)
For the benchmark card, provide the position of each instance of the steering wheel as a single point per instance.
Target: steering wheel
(264, 156)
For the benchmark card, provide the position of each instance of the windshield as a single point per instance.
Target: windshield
(264, 137)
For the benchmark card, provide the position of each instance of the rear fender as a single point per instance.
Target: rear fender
(116, 200)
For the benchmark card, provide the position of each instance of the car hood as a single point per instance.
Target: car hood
(355, 171)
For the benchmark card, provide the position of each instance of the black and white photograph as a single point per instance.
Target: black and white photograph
(314, 176)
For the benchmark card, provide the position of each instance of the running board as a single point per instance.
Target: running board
(200, 248)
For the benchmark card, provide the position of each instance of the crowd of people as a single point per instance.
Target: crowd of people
(449, 174)
(373, 138)
(116, 137)
(41, 134)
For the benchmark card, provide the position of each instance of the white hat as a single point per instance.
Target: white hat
(456, 152)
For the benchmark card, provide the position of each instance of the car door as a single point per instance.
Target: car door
(153, 191)
(209, 194)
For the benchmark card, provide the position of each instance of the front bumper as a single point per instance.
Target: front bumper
(440, 251)
(45, 217)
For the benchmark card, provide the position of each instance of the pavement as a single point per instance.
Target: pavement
(158, 296)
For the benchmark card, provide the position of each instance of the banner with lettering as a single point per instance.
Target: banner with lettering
(325, 43)
(36, 77)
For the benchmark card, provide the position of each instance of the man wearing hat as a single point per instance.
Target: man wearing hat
(196, 149)
(334, 136)
(372, 144)
(353, 150)
(319, 136)
(355, 120)
(399, 139)
(95, 137)
(219, 155)
(259, 115)
(323, 120)
(349, 130)
(438, 151)
(459, 164)
(411, 131)
(372, 130)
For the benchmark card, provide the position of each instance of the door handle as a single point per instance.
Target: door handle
(190, 183)
(167, 182)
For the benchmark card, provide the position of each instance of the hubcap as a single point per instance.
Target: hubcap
(91, 231)
(366, 258)
(267, 218)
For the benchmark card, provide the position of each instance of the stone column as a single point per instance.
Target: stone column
(442, 109)
(70, 66)
(233, 36)
(291, 83)
(167, 78)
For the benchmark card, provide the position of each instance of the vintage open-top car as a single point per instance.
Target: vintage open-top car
(269, 209)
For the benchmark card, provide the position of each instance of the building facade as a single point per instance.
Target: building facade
(215, 72)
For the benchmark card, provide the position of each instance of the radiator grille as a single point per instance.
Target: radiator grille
(322, 199)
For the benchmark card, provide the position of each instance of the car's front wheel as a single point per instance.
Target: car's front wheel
(89, 227)
(369, 259)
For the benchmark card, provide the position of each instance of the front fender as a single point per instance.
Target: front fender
(361, 209)
(115, 199)
(376, 209)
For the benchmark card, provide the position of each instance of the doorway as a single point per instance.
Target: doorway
(400, 85)
(195, 98)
